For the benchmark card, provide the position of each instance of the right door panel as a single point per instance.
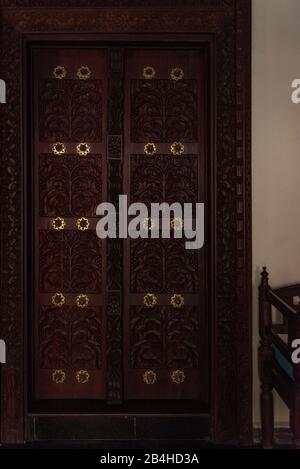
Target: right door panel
(165, 285)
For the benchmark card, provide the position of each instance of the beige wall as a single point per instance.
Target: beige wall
(276, 154)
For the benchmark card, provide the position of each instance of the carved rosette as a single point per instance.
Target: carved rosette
(59, 72)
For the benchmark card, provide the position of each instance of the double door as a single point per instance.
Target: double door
(116, 320)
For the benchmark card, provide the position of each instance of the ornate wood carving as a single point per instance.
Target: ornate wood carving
(164, 337)
(229, 21)
(155, 112)
(62, 334)
(244, 231)
(64, 181)
(70, 110)
(163, 266)
(127, 21)
(11, 238)
(164, 177)
(70, 261)
(114, 383)
(114, 146)
(226, 220)
(163, 111)
(114, 378)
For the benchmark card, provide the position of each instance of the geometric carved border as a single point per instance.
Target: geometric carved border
(229, 22)
(114, 359)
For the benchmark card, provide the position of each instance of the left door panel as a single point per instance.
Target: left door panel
(67, 153)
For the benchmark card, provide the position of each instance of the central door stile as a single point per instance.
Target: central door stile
(114, 368)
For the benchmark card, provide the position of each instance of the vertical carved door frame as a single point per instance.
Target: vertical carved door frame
(228, 25)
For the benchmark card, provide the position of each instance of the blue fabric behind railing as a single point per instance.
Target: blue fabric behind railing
(284, 364)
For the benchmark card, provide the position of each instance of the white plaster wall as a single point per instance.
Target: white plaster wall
(275, 155)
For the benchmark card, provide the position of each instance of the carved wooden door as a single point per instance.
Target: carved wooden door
(104, 122)
(165, 318)
(69, 181)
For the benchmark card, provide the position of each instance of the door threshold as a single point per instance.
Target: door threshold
(118, 427)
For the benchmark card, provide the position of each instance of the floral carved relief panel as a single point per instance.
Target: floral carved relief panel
(164, 178)
(163, 266)
(70, 338)
(164, 110)
(69, 165)
(164, 118)
(70, 110)
(163, 337)
(63, 181)
(70, 261)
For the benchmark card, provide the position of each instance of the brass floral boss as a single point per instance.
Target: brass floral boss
(82, 224)
(178, 376)
(58, 376)
(149, 377)
(176, 74)
(60, 72)
(82, 301)
(58, 299)
(82, 376)
(58, 223)
(177, 301)
(59, 148)
(177, 148)
(84, 73)
(83, 149)
(150, 149)
(150, 300)
(149, 73)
